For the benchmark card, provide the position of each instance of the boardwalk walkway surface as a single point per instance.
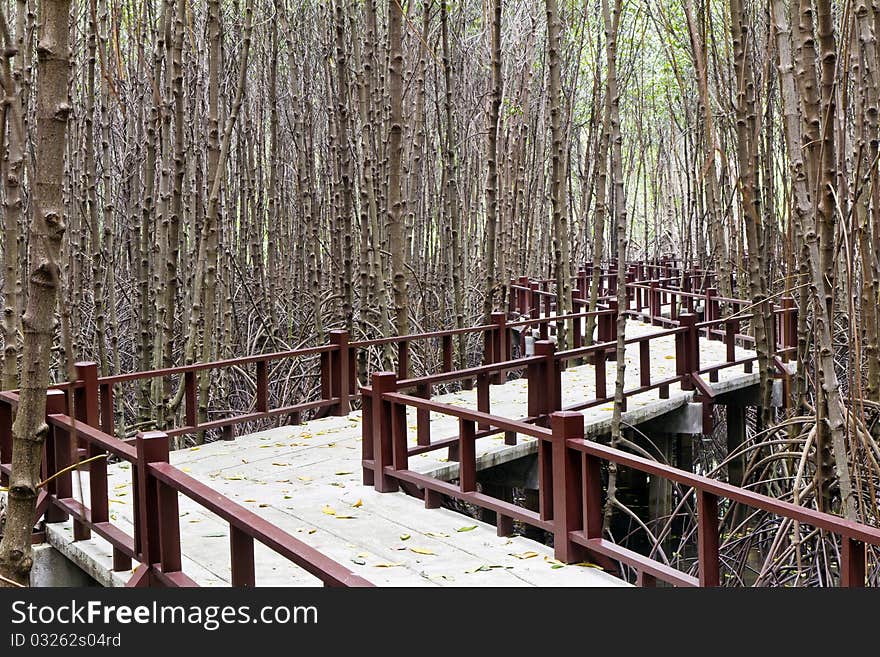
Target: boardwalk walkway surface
(306, 479)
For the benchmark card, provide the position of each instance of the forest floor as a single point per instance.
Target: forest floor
(307, 480)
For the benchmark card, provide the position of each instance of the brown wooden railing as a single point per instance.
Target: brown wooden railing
(92, 431)
(570, 492)
(155, 486)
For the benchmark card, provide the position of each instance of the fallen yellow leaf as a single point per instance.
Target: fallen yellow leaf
(358, 504)
(421, 551)
(387, 565)
(328, 510)
(525, 555)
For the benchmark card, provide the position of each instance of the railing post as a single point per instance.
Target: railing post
(467, 456)
(686, 345)
(645, 363)
(241, 558)
(56, 403)
(190, 399)
(403, 359)
(522, 296)
(483, 399)
(852, 566)
(86, 397)
(383, 382)
(592, 496)
(549, 390)
(548, 301)
(107, 420)
(543, 376)
(262, 387)
(447, 352)
(367, 430)
(654, 309)
(534, 309)
(713, 311)
(339, 372)
(399, 448)
(603, 330)
(499, 345)
(568, 510)
(577, 324)
(789, 332)
(599, 359)
(326, 376)
(157, 532)
(423, 417)
(731, 328)
(707, 538)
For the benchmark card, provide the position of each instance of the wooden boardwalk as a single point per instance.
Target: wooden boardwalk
(306, 480)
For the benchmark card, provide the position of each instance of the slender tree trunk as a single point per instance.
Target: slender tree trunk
(492, 119)
(709, 168)
(394, 216)
(38, 323)
(612, 25)
(452, 194)
(559, 201)
(13, 176)
(599, 215)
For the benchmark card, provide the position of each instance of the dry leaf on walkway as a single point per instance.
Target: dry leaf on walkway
(524, 555)
(468, 528)
(421, 551)
(328, 510)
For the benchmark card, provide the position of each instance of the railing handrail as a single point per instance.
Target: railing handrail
(217, 364)
(496, 421)
(305, 556)
(410, 337)
(242, 519)
(820, 519)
